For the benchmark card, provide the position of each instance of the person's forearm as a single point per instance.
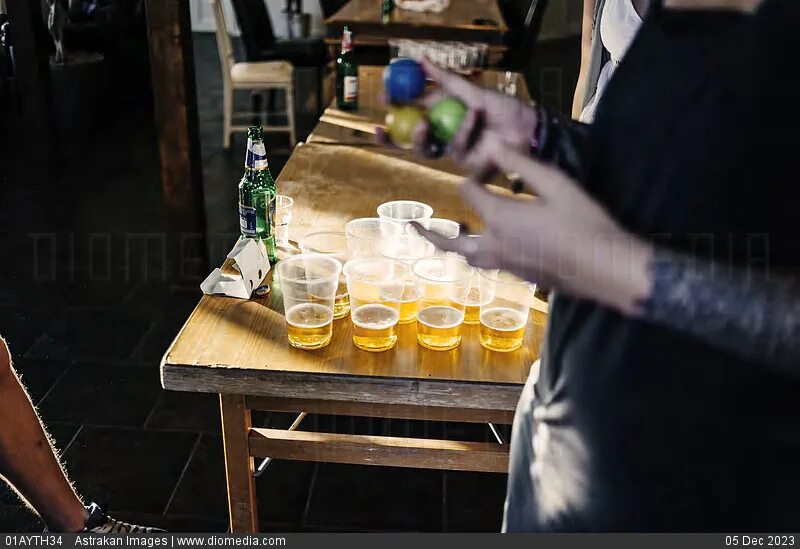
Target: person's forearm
(749, 314)
(577, 100)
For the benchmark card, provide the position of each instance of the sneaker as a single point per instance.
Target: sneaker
(100, 523)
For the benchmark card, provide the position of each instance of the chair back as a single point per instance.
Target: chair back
(255, 24)
(224, 46)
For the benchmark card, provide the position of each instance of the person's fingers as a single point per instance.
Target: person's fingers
(424, 144)
(382, 136)
(478, 159)
(467, 134)
(453, 84)
(542, 180)
(430, 99)
(463, 245)
(420, 135)
(490, 206)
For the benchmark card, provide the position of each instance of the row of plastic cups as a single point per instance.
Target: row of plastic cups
(394, 220)
(442, 294)
(364, 235)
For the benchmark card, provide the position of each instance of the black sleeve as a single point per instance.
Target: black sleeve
(564, 143)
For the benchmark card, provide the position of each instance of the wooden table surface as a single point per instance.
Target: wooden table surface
(239, 346)
(457, 22)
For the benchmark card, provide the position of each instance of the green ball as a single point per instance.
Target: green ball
(446, 117)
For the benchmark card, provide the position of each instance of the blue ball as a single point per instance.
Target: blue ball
(403, 81)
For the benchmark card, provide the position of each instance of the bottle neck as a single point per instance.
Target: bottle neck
(347, 42)
(256, 158)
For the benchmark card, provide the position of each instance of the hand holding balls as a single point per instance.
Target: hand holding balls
(404, 83)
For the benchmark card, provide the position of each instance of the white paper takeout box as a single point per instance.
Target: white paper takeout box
(251, 265)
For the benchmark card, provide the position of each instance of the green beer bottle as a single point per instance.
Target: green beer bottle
(347, 75)
(257, 194)
(386, 10)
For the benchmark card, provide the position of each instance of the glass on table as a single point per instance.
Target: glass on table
(477, 295)
(507, 83)
(504, 317)
(443, 284)
(282, 219)
(362, 236)
(397, 214)
(376, 289)
(308, 283)
(406, 249)
(333, 244)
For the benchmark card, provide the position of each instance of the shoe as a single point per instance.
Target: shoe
(100, 523)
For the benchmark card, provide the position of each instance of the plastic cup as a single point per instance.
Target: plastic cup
(282, 219)
(397, 214)
(443, 284)
(376, 288)
(406, 250)
(503, 318)
(333, 244)
(477, 295)
(362, 236)
(445, 227)
(308, 283)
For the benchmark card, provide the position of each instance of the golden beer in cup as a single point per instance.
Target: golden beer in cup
(439, 327)
(504, 317)
(309, 325)
(406, 249)
(375, 327)
(502, 328)
(476, 296)
(376, 288)
(333, 244)
(308, 284)
(443, 284)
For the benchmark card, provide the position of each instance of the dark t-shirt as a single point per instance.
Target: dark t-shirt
(695, 142)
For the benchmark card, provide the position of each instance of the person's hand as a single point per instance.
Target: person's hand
(561, 239)
(492, 119)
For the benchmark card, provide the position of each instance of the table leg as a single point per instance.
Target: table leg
(239, 466)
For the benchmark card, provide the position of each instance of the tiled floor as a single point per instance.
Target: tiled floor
(88, 315)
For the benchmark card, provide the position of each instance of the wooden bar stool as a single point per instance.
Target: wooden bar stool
(254, 77)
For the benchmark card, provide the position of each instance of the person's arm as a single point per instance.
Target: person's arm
(749, 314)
(566, 241)
(586, 48)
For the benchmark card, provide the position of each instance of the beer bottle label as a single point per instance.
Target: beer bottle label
(350, 88)
(256, 156)
(247, 220)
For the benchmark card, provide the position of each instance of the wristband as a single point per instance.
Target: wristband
(539, 132)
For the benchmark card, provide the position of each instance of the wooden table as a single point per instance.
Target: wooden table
(239, 349)
(460, 21)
